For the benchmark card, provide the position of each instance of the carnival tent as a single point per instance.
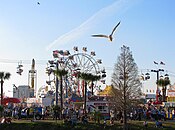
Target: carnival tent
(10, 100)
(108, 91)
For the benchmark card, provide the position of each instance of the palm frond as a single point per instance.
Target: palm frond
(60, 72)
(7, 75)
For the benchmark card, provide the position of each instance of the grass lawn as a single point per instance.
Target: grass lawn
(59, 125)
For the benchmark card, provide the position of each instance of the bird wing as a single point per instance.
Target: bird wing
(115, 28)
(100, 35)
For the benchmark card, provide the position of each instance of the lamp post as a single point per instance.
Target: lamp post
(157, 89)
(157, 73)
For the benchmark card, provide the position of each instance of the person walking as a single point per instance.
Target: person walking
(43, 113)
(112, 117)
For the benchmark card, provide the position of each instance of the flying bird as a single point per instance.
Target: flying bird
(38, 3)
(106, 36)
(155, 63)
(162, 63)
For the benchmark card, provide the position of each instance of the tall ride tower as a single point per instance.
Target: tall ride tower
(32, 78)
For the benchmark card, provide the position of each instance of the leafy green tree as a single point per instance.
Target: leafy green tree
(163, 83)
(3, 76)
(126, 81)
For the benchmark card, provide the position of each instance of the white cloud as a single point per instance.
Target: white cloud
(81, 29)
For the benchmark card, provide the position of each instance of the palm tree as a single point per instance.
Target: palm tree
(60, 73)
(94, 78)
(163, 82)
(3, 76)
(86, 77)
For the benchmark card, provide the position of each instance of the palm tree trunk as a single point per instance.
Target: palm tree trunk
(164, 94)
(85, 91)
(78, 87)
(56, 91)
(83, 82)
(61, 93)
(2, 91)
(92, 88)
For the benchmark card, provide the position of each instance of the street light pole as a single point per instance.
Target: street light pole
(157, 91)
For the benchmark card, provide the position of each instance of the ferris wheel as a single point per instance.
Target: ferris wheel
(75, 63)
(84, 63)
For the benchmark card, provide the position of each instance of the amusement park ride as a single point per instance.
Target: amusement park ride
(27, 91)
(32, 78)
(158, 100)
(78, 62)
(73, 86)
(19, 68)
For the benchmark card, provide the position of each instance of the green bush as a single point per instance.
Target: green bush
(133, 125)
(1, 108)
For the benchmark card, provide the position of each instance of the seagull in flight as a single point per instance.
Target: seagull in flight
(106, 36)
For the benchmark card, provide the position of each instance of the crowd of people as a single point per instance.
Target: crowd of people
(72, 116)
(149, 113)
(69, 115)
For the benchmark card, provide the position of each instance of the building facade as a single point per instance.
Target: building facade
(23, 91)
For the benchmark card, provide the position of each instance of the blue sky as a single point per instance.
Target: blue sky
(29, 30)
